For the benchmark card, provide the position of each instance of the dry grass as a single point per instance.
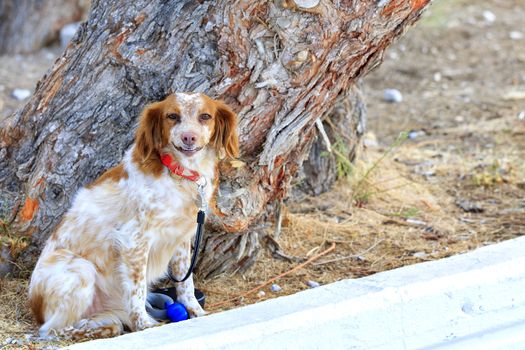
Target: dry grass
(15, 318)
(373, 236)
(399, 217)
(395, 216)
(399, 206)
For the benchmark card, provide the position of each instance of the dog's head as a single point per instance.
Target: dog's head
(185, 124)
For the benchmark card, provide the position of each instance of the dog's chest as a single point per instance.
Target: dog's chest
(172, 223)
(167, 236)
(170, 209)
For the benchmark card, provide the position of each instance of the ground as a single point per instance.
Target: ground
(441, 172)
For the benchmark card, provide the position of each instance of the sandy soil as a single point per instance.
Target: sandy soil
(462, 77)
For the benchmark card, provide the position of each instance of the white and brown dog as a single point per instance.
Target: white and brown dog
(126, 228)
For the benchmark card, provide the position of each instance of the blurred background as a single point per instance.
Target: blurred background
(442, 169)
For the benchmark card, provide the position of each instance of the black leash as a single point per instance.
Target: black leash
(201, 216)
(159, 304)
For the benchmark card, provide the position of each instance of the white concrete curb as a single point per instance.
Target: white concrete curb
(470, 301)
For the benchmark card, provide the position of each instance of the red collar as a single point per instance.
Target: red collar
(178, 169)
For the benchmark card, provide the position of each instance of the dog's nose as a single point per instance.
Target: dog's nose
(189, 138)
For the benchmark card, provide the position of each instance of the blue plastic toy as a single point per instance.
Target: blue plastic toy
(162, 304)
(176, 312)
(162, 307)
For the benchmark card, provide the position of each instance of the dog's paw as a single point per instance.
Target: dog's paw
(196, 312)
(192, 305)
(142, 322)
(46, 334)
(86, 323)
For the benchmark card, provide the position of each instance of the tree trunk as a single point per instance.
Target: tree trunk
(344, 126)
(330, 159)
(28, 25)
(279, 65)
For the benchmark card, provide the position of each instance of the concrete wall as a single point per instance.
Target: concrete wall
(470, 301)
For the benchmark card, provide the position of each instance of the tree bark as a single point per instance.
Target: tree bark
(28, 25)
(279, 65)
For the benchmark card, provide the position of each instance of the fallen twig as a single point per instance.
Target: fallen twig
(271, 280)
(349, 256)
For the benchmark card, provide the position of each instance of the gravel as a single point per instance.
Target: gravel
(276, 288)
(21, 94)
(392, 96)
(313, 284)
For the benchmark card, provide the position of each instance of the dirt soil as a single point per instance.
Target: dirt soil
(453, 181)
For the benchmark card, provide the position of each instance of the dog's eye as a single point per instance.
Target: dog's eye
(204, 117)
(174, 116)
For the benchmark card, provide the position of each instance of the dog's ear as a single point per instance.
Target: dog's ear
(148, 138)
(224, 135)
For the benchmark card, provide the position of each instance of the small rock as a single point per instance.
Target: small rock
(392, 95)
(437, 77)
(393, 55)
(276, 288)
(67, 32)
(489, 16)
(514, 94)
(21, 94)
(416, 222)
(427, 173)
(261, 293)
(370, 140)
(515, 35)
(413, 134)
(8, 341)
(420, 255)
(469, 206)
(312, 284)
(521, 116)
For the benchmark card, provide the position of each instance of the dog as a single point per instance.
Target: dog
(125, 229)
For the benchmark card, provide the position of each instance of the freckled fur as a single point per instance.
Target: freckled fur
(124, 230)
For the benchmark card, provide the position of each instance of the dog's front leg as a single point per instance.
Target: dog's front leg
(133, 267)
(180, 264)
